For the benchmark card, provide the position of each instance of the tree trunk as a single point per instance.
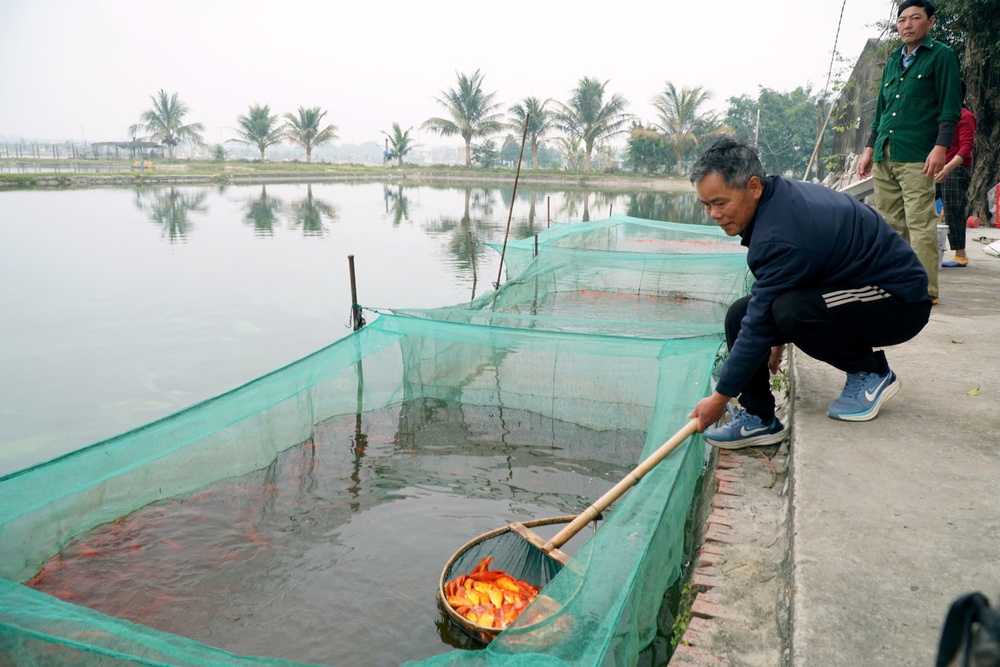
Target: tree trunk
(468, 152)
(586, 159)
(534, 155)
(984, 103)
(985, 171)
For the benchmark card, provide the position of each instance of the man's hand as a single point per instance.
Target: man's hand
(865, 163)
(709, 410)
(935, 161)
(774, 361)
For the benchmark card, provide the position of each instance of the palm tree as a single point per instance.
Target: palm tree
(572, 152)
(259, 128)
(472, 112)
(540, 121)
(681, 119)
(400, 143)
(165, 122)
(590, 118)
(304, 129)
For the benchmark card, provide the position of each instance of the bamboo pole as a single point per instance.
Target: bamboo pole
(356, 319)
(621, 487)
(513, 196)
(472, 258)
(819, 142)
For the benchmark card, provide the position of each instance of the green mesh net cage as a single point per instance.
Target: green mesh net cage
(264, 502)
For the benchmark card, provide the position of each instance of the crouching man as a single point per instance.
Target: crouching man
(832, 278)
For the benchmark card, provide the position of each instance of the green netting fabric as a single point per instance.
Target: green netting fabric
(656, 295)
(623, 233)
(535, 346)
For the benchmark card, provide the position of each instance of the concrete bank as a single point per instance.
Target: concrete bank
(847, 544)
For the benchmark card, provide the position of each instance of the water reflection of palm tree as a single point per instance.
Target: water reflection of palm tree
(668, 207)
(458, 229)
(521, 227)
(169, 209)
(574, 201)
(396, 203)
(482, 202)
(309, 214)
(262, 212)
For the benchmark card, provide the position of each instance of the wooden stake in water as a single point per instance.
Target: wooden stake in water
(517, 174)
(472, 259)
(357, 320)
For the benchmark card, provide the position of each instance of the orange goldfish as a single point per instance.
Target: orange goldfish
(491, 598)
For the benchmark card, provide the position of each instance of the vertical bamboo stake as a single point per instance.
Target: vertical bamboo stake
(357, 320)
(472, 258)
(513, 195)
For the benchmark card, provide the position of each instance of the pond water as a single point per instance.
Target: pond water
(331, 555)
(122, 306)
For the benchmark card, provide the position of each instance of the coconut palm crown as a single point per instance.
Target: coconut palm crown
(400, 143)
(681, 119)
(540, 122)
(472, 113)
(589, 117)
(259, 128)
(303, 129)
(165, 122)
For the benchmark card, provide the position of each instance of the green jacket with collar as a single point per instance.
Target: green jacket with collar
(918, 107)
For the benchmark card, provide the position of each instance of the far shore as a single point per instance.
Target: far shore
(197, 173)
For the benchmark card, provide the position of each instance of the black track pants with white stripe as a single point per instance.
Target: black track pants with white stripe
(839, 327)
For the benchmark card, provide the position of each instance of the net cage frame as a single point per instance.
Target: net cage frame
(44, 506)
(622, 233)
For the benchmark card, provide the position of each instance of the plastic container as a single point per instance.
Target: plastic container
(942, 233)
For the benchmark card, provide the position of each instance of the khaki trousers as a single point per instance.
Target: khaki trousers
(905, 198)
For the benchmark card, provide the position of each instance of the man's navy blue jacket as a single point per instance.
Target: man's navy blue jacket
(805, 235)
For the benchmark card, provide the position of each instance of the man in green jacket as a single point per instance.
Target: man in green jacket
(918, 107)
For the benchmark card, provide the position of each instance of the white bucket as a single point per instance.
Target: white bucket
(942, 233)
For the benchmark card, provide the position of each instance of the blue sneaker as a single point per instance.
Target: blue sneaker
(745, 430)
(863, 395)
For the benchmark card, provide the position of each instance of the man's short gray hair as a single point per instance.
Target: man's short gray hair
(736, 162)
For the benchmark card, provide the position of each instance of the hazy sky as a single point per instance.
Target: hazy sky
(85, 69)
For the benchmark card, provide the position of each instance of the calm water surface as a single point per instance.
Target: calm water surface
(121, 306)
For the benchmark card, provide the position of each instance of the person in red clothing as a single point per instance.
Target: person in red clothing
(954, 181)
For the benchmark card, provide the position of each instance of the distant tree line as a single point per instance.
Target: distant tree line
(585, 122)
(576, 134)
